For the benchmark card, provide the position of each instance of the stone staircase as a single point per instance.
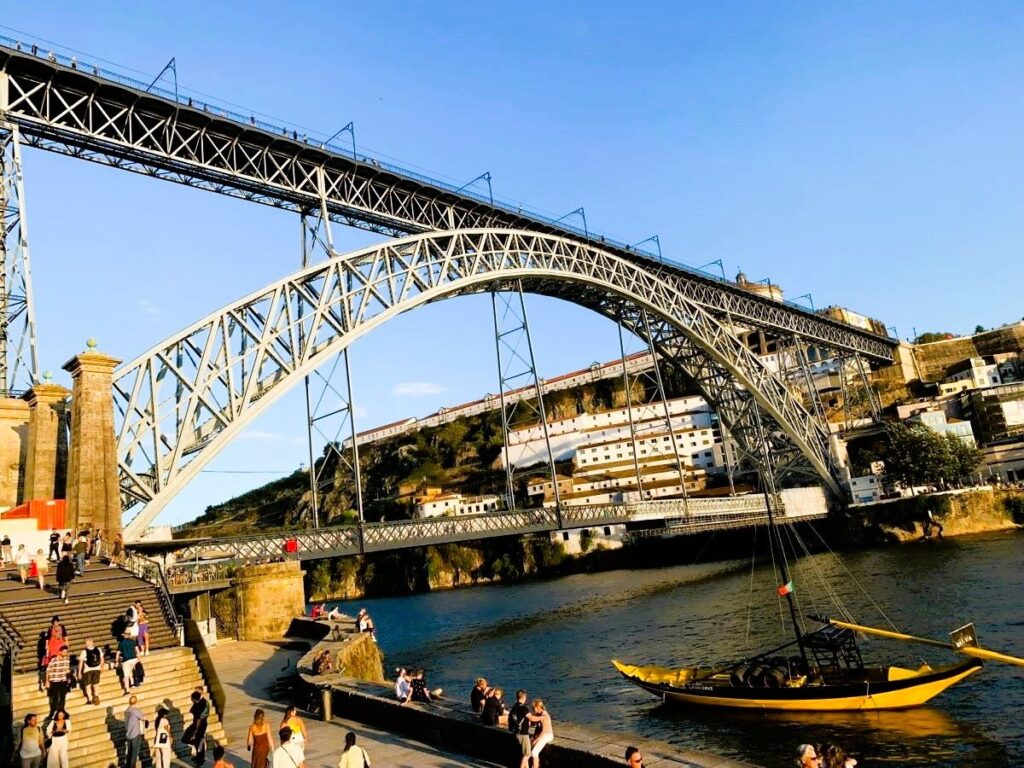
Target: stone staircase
(97, 603)
(97, 732)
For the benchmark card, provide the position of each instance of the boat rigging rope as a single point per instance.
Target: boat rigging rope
(750, 592)
(830, 592)
(853, 578)
(796, 593)
(775, 571)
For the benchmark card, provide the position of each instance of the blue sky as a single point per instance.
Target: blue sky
(866, 153)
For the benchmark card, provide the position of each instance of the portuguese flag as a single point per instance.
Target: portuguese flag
(785, 589)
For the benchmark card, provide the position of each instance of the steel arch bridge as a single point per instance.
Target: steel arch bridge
(181, 402)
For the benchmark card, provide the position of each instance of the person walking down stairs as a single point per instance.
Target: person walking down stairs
(65, 575)
(127, 657)
(30, 751)
(57, 732)
(195, 734)
(58, 681)
(135, 724)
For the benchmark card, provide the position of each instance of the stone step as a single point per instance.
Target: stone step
(157, 663)
(97, 736)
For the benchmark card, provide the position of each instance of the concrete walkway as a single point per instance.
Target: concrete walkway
(248, 670)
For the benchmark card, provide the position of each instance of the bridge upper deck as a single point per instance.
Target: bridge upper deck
(66, 106)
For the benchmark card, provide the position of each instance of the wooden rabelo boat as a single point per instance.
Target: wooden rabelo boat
(818, 670)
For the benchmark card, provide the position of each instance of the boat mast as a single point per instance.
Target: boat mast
(768, 488)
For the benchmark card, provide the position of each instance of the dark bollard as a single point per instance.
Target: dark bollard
(327, 703)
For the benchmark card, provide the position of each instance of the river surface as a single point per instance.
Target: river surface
(555, 639)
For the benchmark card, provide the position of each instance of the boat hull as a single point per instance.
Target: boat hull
(908, 691)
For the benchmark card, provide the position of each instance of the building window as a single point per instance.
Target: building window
(607, 531)
(565, 536)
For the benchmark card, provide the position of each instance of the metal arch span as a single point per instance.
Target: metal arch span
(179, 403)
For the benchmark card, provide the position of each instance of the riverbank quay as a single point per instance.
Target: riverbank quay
(250, 672)
(356, 692)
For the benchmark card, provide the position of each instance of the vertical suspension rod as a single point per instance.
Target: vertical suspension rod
(540, 404)
(668, 413)
(509, 481)
(313, 492)
(629, 412)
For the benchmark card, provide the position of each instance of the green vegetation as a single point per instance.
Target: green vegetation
(930, 336)
(917, 455)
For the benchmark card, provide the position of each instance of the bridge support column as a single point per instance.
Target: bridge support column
(262, 601)
(46, 460)
(93, 495)
(14, 418)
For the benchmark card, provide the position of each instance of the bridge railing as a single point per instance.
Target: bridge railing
(319, 140)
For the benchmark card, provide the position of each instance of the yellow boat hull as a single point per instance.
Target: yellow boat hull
(888, 688)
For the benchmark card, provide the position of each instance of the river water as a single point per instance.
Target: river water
(555, 639)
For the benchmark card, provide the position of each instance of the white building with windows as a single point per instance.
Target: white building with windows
(452, 504)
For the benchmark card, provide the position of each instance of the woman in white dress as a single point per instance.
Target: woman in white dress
(57, 732)
(163, 741)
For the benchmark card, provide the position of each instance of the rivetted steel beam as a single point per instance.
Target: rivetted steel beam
(77, 112)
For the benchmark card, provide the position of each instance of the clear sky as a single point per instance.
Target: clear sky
(866, 153)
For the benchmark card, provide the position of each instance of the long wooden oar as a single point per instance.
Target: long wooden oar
(967, 650)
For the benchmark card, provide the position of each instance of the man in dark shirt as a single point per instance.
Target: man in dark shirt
(128, 657)
(494, 708)
(54, 546)
(519, 725)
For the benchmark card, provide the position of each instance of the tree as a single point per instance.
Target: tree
(916, 455)
(929, 336)
(964, 457)
(979, 329)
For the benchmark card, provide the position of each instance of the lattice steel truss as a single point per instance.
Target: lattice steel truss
(245, 356)
(19, 364)
(517, 371)
(77, 112)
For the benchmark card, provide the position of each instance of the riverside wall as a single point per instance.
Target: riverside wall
(961, 513)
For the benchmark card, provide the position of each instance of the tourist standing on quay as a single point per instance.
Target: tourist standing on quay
(519, 724)
(5, 550)
(296, 727)
(259, 742)
(58, 673)
(90, 665)
(546, 734)
(162, 740)
(134, 727)
(67, 544)
(54, 546)
(96, 546)
(478, 694)
(57, 732)
(65, 575)
(289, 754)
(117, 553)
(32, 745)
(353, 756)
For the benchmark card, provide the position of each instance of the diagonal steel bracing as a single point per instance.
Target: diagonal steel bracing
(86, 113)
(250, 354)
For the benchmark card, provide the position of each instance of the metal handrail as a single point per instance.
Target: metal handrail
(145, 568)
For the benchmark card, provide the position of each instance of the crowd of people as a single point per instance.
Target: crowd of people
(531, 725)
(69, 553)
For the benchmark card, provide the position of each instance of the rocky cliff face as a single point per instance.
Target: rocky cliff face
(960, 513)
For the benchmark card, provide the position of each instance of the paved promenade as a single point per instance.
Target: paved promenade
(248, 670)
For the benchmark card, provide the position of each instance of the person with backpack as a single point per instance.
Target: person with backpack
(519, 726)
(80, 549)
(90, 664)
(32, 746)
(353, 756)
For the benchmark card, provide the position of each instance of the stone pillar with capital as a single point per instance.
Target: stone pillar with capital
(93, 496)
(46, 459)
